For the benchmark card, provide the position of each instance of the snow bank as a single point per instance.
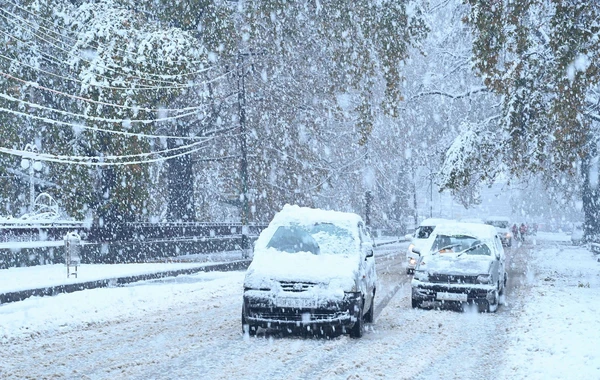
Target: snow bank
(558, 333)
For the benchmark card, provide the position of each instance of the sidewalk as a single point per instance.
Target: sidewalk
(17, 284)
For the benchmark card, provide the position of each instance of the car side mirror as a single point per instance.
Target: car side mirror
(417, 251)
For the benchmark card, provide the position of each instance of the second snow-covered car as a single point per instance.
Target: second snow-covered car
(464, 264)
(418, 239)
(312, 270)
(502, 225)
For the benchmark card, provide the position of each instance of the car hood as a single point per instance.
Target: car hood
(270, 267)
(463, 265)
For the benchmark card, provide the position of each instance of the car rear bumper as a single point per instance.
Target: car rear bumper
(263, 311)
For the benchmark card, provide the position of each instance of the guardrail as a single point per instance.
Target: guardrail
(36, 244)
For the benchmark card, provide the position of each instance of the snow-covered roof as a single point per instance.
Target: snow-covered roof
(477, 230)
(498, 218)
(435, 221)
(293, 214)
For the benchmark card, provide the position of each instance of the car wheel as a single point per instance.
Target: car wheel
(370, 316)
(246, 326)
(493, 306)
(415, 303)
(359, 326)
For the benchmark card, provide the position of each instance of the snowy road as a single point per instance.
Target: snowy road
(191, 330)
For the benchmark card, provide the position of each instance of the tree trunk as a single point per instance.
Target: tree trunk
(181, 207)
(591, 195)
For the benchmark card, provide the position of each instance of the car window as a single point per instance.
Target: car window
(460, 243)
(319, 239)
(498, 223)
(423, 232)
(293, 239)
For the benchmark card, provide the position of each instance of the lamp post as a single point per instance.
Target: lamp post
(33, 166)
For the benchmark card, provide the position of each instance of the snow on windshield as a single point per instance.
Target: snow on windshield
(321, 238)
(459, 243)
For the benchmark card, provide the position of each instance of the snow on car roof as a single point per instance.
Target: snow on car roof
(293, 214)
(434, 221)
(498, 218)
(480, 231)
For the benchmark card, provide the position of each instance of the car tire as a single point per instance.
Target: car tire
(247, 326)
(492, 307)
(358, 329)
(415, 303)
(370, 316)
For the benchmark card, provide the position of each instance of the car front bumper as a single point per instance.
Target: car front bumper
(262, 310)
(447, 293)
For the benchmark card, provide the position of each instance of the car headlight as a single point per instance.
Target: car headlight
(508, 235)
(412, 261)
(484, 279)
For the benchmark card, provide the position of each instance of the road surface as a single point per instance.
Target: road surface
(200, 337)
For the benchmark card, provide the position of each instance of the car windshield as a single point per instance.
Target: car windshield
(319, 239)
(423, 232)
(498, 223)
(459, 243)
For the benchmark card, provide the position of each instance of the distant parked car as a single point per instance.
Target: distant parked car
(502, 225)
(312, 270)
(577, 234)
(465, 263)
(418, 239)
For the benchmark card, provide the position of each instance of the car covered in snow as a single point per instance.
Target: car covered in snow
(502, 225)
(464, 264)
(312, 270)
(418, 239)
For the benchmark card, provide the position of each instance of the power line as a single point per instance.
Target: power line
(73, 39)
(99, 85)
(133, 108)
(91, 161)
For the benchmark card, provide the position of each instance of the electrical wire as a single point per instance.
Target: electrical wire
(73, 39)
(98, 85)
(46, 39)
(92, 161)
(133, 108)
(34, 30)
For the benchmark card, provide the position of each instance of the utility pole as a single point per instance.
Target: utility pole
(244, 160)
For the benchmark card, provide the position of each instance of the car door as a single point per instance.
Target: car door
(501, 261)
(368, 273)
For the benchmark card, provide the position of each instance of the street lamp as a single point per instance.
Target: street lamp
(33, 166)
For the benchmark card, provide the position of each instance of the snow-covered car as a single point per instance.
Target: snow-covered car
(502, 225)
(577, 234)
(312, 270)
(418, 239)
(465, 263)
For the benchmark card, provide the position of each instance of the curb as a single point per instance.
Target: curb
(118, 281)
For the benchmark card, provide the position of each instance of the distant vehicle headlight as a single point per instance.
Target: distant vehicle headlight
(484, 279)
(508, 235)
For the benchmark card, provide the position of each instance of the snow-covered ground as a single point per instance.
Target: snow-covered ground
(189, 327)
